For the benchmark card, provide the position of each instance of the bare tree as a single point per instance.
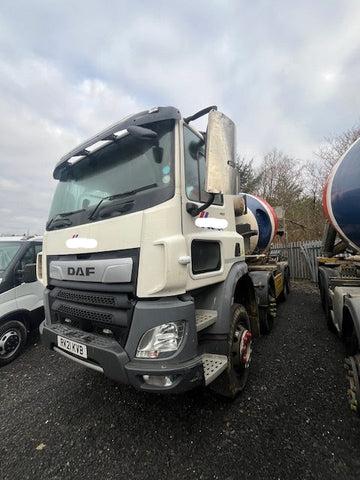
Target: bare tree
(280, 179)
(248, 179)
(317, 171)
(336, 146)
(314, 174)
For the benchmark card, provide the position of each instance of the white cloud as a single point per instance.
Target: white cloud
(287, 73)
(9, 185)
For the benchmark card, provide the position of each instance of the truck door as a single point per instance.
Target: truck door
(29, 296)
(203, 240)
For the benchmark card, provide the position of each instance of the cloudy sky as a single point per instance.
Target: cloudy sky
(286, 71)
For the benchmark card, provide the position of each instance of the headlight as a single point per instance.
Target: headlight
(164, 339)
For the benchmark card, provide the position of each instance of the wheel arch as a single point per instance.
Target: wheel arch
(237, 288)
(19, 315)
(351, 319)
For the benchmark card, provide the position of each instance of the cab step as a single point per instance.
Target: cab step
(204, 318)
(213, 366)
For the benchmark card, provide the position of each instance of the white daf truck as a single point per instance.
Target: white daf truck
(145, 272)
(21, 295)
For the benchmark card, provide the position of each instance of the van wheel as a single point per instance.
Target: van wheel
(13, 336)
(233, 379)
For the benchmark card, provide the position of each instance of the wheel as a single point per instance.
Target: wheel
(234, 378)
(267, 315)
(288, 282)
(352, 365)
(351, 343)
(286, 287)
(322, 291)
(330, 324)
(13, 336)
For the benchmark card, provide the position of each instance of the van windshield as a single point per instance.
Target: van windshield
(127, 175)
(8, 250)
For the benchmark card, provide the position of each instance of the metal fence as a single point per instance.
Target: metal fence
(302, 258)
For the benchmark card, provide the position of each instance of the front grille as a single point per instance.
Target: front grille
(86, 314)
(87, 298)
(103, 314)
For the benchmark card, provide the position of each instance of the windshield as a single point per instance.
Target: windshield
(125, 176)
(8, 251)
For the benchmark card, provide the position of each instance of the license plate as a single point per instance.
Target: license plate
(72, 347)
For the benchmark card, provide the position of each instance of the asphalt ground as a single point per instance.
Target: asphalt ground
(59, 420)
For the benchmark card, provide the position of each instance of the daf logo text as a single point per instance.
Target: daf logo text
(81, 271)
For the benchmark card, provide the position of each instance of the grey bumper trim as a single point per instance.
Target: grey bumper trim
(78, 360)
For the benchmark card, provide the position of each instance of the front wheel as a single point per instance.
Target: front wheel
(234, 378)
(13, 336)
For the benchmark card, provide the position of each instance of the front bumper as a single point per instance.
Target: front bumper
(184, 370)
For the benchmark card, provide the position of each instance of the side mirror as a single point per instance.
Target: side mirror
(220, 154)
(29, 274)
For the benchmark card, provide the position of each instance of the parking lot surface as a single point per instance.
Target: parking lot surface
(59, 420)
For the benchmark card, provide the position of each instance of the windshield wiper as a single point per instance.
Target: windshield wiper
(115, 209)
(58, 223)
(61, 220)
(110, 198)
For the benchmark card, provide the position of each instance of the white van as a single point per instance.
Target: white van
(21, 294)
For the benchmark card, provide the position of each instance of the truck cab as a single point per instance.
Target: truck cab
(21, 294)
(143, 267)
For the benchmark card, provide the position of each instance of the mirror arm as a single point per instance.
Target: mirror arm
(194, 210)
(203, 112)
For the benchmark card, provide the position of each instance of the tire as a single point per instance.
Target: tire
(330, 324)
(234, 378)
(286, 288)
(324, 296)
(288, 282)
(352, 365)
(322, 291)
(13, 335)
(267, 315)
(351, 343)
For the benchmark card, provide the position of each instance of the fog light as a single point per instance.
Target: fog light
(164, 339)
(160, 380)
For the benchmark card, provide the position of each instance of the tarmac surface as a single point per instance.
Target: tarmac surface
(59, 420)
